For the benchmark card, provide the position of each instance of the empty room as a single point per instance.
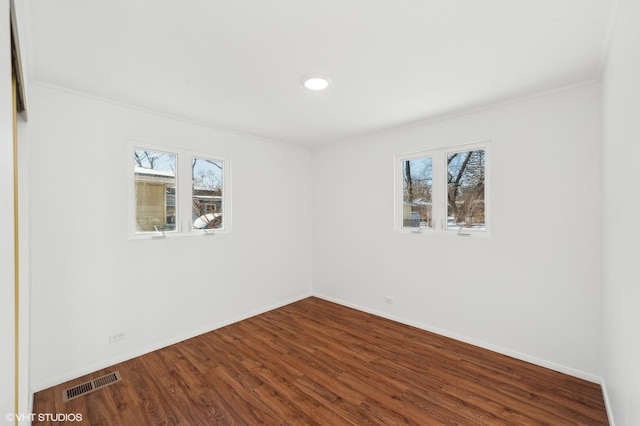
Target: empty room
(320, 213)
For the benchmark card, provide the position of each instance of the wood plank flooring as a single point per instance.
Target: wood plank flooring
(317, 363)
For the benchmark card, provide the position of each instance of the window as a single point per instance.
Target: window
(155, 190)
(417, 190)
(176, 192)
(206, 193)
(442, 190)
(465, 189)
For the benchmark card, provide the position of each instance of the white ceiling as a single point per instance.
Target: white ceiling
(237, 64)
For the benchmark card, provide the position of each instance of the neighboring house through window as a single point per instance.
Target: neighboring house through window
(177, 192)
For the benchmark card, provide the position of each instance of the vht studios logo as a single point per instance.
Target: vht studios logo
(44, 417)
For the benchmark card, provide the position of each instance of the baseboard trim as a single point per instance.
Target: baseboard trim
(163, 344)
(504, 351)
(607, 403)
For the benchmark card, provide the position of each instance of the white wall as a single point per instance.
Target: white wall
(89, 280)
(532, 288)
(24, 330)
(621, 215)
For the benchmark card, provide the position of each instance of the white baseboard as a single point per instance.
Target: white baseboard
(504, 351)
(154, 347)
(607, 403)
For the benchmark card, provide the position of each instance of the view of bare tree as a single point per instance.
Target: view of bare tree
(149, 159)
(417, 175)
(465, 187)
(465, 183)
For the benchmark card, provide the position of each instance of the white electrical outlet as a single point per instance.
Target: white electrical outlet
(388, 300)
(117, 336)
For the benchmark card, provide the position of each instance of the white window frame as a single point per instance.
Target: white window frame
(184, 194)
(439, 191)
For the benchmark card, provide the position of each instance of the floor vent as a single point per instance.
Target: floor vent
(88, 387)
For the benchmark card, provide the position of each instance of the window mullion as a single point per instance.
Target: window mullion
(184, 202)
(439, 191)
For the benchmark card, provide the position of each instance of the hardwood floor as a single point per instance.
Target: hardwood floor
(317, 363)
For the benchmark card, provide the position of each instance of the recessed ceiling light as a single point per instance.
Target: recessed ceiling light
(316, 83)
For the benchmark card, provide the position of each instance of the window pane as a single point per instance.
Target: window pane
(417, 176)
(155, 181)
(206, 175)
(465, 189)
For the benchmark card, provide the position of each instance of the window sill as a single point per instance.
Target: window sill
(172, 234)
(448, 233)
